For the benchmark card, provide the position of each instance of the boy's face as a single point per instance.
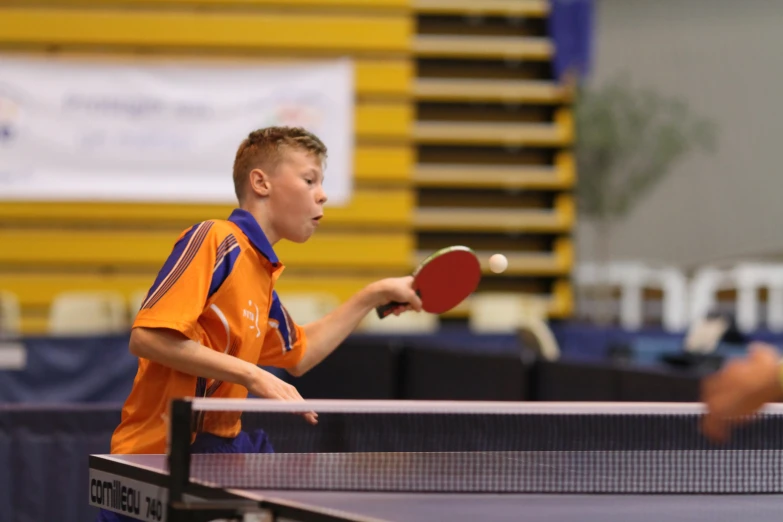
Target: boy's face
(297, 196)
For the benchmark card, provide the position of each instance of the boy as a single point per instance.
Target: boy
(212, 317)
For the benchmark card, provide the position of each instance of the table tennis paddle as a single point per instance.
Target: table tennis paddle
(443, 280)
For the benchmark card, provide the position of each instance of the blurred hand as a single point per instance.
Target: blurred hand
(264, 384)
(740, 389)
(400, 290)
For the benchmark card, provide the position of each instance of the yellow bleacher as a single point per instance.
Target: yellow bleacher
(480, 90)
(560, 176)
(118, 249)
(531, 8)
(501, 47)
(493, 219)
(524, 264)
(494, 134)
(556, 133)
(99, 246)
(419, 138)
(390, 207)
(159, 26)
(39, 290)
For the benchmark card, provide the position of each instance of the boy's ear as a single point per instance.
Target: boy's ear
(259, 182)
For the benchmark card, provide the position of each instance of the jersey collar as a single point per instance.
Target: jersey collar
(250, 227)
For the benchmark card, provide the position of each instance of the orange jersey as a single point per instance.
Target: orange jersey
(217, 288)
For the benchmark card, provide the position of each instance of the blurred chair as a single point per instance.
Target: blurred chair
(308, 307)
(705, 335)
(705, 285)
(85, 313)
(526, 316)
(632, 279)
(408, 322)
(10, 315)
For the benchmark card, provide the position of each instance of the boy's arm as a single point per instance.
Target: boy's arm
(172, 349)
(326, 334)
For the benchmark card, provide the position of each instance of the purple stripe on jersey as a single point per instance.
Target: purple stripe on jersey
(181, 263)
(278, 313)
(168, 266)
(227, 255)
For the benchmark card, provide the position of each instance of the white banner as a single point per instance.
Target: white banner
(87, 130)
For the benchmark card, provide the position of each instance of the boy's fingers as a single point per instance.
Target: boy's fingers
(714, 428)
(708, 386)
(311, 417)
(415, 303)
(399, 309)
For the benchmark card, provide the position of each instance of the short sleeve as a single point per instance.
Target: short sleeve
(285, 341)
(179, 293)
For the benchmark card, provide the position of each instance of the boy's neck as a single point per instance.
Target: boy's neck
(258, 211)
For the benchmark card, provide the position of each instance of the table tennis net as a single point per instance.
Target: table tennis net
(501, 448)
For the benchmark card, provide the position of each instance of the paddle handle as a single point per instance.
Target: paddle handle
(385, 310)
(388, 308)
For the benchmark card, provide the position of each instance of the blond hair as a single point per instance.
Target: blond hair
(264, 148)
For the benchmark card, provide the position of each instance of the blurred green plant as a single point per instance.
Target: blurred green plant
(628, 139)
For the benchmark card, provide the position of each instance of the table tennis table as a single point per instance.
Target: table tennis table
(557, 462)
(116, 479)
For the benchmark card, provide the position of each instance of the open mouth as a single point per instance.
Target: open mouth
(317, 219)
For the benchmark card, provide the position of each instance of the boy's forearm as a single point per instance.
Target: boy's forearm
(174, 350)
(326, 334)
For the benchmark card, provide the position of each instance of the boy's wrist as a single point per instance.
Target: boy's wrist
(249, 375)
(374, 294)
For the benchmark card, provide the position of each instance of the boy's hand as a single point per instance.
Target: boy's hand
(740, 389)
(264, 384)
(397, 289)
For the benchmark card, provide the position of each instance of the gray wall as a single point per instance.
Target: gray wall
(725, 57)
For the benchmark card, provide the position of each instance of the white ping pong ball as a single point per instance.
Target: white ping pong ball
(498, 263)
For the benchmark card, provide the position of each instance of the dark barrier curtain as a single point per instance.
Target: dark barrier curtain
(71, 370)
(61, 408)
(100, 369)
(45, 453)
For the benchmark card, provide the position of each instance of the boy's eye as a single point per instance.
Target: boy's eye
(309, 181)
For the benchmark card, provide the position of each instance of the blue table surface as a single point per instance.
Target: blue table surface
(416, 507)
